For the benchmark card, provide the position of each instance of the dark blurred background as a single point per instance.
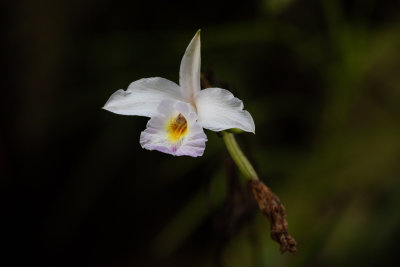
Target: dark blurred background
(321, 79)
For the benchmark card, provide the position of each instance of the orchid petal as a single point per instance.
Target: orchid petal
(189, 73)
(219, 110)
(143, 96)
(190, 140)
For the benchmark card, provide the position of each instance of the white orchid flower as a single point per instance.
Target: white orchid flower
(180, 112)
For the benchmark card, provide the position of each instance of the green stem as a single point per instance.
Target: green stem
(238, 157)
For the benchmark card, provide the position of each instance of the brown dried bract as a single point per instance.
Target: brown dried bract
(273, 209)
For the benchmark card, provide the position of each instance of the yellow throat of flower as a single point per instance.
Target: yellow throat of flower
(177, 128)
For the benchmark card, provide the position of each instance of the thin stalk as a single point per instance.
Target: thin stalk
(238, 157)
